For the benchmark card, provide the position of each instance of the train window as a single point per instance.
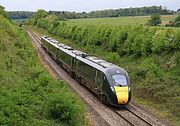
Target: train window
(53, 49)
(64, 57)
(99, 78)
(87, 71)
(119, 80)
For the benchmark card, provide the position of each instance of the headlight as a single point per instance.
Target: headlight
(129, 89)
(112, 88)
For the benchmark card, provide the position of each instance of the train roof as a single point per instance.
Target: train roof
(61, 46)
(93, 61)
(101, 65)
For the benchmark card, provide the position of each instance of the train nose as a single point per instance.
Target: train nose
(122, 94)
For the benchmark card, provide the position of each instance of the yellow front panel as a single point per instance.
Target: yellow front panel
(122, 94)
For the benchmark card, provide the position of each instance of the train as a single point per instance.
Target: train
(108, 81)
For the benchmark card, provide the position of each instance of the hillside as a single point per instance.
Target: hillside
(149, 54)
(28, 94)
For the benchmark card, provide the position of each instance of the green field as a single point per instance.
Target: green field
(132, 20)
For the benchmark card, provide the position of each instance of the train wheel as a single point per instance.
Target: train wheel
(104, 99)
(73, 75)
(79, 79)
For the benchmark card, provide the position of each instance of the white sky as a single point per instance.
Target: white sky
(84, 5)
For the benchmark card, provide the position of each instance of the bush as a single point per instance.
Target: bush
(113, 57)
(64, 111)
(155, 20)
(175, 23)
(152, 68)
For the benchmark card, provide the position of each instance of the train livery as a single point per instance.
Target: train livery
(109, 82)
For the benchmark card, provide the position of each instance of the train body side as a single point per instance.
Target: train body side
(90, 74)
(62, 57)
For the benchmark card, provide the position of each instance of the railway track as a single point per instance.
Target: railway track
(125, 116)
(141, 118)
(38, 40)
(132, 118)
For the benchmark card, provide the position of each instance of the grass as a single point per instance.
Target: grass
(159, 94)
(28, 94)
(131, 20)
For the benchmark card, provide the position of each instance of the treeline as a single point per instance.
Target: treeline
(141, 11)
(29, 95)
(20, 14)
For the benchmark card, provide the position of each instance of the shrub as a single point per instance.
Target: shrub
(65, 111)
(113, 57)
(155, 20)
(151, 67)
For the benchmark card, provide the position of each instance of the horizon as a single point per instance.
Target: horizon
(88, 11)
(85, 6)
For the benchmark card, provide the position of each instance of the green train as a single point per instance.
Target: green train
(109, 82)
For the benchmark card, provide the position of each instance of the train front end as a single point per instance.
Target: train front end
(120, 87)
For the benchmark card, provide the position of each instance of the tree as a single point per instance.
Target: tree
(20, 14)
(176, 23)
(177, 18)
(178, 10)
(114, 12)
(3, 12)
(41, 14)
(155, 20)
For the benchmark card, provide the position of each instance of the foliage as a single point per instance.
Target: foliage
(177, 18)
(175, 23)
(178, 10)
(42, 19)
(155, 20)
(149, 54)
(114, 13)
(29, 96)
(20, 14)
(2, 12)
(137, 40)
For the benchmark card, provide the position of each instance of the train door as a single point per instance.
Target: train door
(99, 80)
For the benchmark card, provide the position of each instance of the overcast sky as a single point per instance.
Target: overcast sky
(84, 5)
